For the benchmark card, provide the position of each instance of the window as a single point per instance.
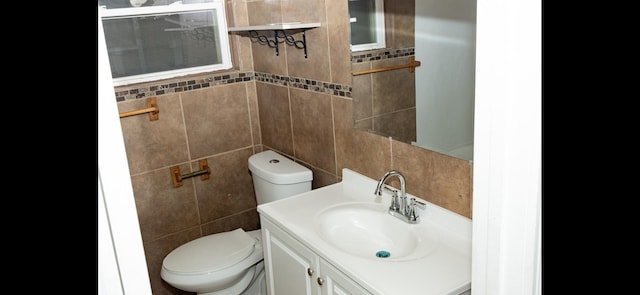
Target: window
(367, 24)
(157, 39)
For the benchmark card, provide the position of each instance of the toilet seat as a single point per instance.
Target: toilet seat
(226, 270)
(210, 253)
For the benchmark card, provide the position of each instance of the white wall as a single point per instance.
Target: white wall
(122, 267)
(445, 46)
(507, 171)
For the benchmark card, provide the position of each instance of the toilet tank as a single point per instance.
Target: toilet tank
(276, 177)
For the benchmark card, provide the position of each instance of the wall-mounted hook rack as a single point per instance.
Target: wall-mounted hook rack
(152, 109)
(177, 178)
(279, 32)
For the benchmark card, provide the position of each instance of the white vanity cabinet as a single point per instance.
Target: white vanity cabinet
(293, 269)
(326, 241)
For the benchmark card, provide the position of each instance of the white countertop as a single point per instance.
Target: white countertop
(445, 270)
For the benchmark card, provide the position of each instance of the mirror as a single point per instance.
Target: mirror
(430, 105)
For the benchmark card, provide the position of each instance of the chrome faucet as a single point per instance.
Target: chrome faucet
(403, 190)
(400, 208)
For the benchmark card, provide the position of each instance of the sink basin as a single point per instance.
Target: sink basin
(369, 231)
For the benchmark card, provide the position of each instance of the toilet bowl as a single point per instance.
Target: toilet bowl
(219, 264)
(231, 263)
(259, 284)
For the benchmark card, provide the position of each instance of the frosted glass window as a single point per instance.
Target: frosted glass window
(367, 24)
(152, 42)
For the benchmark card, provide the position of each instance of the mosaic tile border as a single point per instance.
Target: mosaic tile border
(173, 86)
(199, 82)
(307, 84)
(378, 54)
(195, 83)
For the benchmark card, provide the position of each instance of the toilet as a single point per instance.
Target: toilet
(232, 263)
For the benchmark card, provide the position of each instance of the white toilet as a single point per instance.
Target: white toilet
(231, 263)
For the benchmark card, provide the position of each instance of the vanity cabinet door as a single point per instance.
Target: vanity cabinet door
(334, 282)
(293, 269)
(290, 268)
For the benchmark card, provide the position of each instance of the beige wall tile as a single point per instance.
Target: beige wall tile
(237, 13)
(245, 54)
(316, 40)
(275, 117)
(317, 56)
(162, 208)
(216, 120)
(452, 179)
(416, 165)
(238, 16)
(313, 128)
(303, 11)
(400, 95)
(359, 151)
(361, 94)
(154, 144)
(364, 124)
(264, 12)
(381, 108)
(265, 58)
(322, 178)
(401, 125)
(339, 48)
(248, 220)
(399, 17)
(437, 178)
(229, 189)
(252, 98)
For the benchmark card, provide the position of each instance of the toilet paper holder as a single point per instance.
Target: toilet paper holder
(177, 177)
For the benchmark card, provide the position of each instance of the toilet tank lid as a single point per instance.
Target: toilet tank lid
(278, 169)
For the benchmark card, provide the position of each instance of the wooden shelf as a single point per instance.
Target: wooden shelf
(278, 34)
(279, 26)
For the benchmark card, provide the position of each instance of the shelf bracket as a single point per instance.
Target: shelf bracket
(277, 36)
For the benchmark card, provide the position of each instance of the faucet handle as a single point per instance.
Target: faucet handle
(395, 204)
(412, 216)
(414, 202)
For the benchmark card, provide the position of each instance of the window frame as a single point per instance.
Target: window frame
(216, 7)
(379, 27)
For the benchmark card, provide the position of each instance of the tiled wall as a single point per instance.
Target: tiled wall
(385, 102)
(297, 106)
